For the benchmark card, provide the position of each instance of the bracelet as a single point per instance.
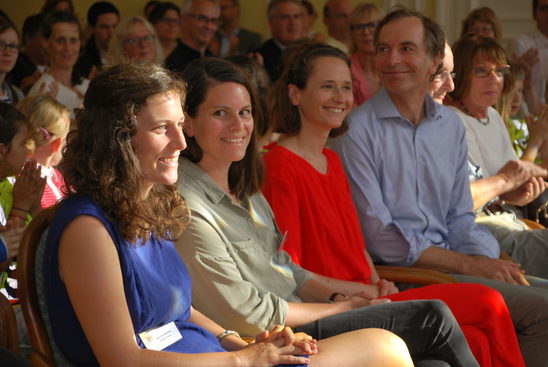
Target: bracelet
(18, 216)
(21, 210)
(335, 295)
(226, 333)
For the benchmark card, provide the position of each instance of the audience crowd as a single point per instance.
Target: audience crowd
(223, 200)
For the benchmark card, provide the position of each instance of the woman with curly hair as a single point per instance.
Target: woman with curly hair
(117, 293)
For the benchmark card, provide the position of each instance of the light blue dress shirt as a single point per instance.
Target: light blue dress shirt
(410, 183)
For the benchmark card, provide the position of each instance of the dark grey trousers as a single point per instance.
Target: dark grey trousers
(429, 329)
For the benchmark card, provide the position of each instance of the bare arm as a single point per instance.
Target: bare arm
(453, 262)
(512, 183)
(100, 304)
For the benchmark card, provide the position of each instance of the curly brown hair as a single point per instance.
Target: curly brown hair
(100, 161)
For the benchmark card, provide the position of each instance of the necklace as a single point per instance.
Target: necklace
(482, 120)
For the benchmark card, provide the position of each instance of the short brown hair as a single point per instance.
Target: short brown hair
(284, 115)
(434, 37)
(466, 51)
(244, 177)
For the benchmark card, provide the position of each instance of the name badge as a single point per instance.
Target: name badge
(161, 337)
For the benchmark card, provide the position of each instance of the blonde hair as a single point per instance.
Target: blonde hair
(47, 118)
(116, 54)
(363, 10)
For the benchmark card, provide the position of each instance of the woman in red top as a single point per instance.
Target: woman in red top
(309, 194)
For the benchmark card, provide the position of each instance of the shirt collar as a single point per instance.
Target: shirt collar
(385, 108)
(191, 171)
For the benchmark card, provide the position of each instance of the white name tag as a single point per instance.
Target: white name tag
(161, 337)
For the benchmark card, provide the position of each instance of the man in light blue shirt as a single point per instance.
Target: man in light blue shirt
(406, 160)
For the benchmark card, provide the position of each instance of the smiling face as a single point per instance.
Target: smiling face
(402, 60)
(223, 125)
(200, 24)
(443, 82)
(327, 97)
(8, 56)
(64, 45)
(139, 43)
(159, 138)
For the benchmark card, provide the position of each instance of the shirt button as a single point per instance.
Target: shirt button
(250, 220)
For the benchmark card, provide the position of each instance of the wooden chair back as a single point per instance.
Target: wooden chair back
(9, 336)
(42, 355)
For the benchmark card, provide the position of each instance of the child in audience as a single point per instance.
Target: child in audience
(48, 124)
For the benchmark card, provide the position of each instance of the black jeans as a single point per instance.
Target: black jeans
(429, 329)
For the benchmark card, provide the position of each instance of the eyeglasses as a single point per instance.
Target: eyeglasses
(360, 27)
(203, 19)
(174, 21)
(13, 47)
(149, 38)
(444, 75)
(484, 71)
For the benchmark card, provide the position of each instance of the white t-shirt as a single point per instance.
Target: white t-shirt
(489, 145)
(64, 95)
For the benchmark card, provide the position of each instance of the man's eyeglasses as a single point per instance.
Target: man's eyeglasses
(444, 75)
(484, 71)
(203, 19)
(360, 27)
(13, 47)
(149, 38)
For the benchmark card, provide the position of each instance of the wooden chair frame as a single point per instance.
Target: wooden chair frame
(41, 355)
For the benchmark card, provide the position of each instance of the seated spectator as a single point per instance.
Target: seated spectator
(133, 120)
(363, 21)
(286, 27)
(62, 81)
(406, 163)
(230, 38)
(336, 17)
(199, 22)
(303, 179)
(18, 197)
(49, 123)
(480, 69)
(532, 49)
(482, 21)
(9, 49)
(134, 39)
(103, 17)
(33, 60)
(166, 20)
(442, 81)
(231, 245)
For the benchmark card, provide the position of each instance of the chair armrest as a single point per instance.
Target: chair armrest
(401, 274)
(532, 224)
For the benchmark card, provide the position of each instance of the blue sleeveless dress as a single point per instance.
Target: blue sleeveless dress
(156, 284)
